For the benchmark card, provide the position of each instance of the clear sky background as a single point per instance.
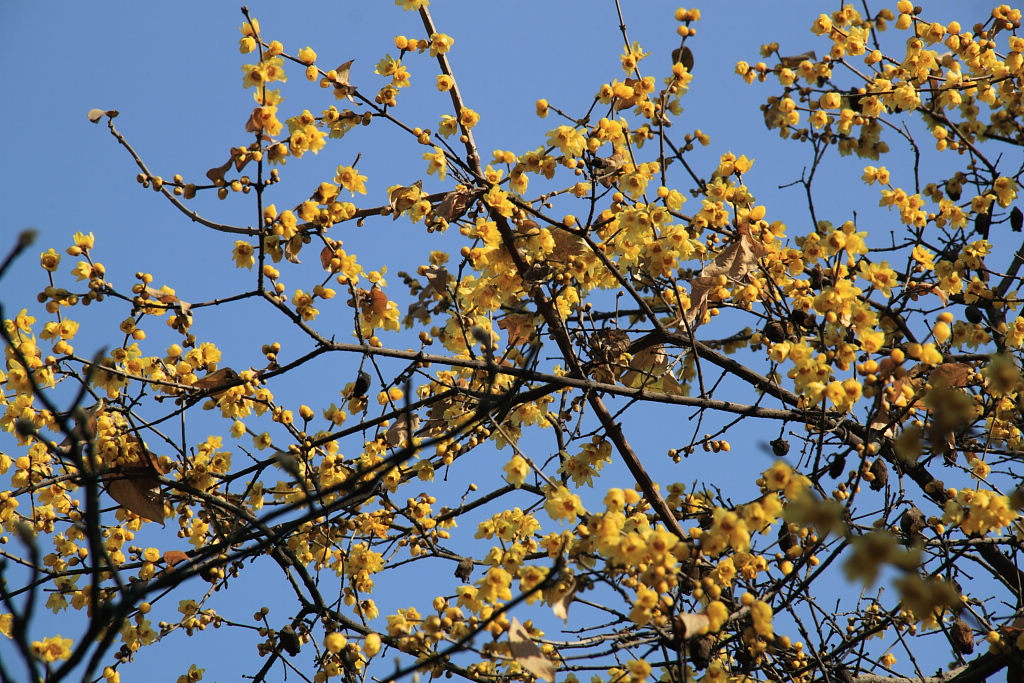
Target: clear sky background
(173, 70)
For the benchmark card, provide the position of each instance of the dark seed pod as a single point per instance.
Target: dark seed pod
(973, 314)
(837, 466)
(982, 223)
(1016, 219)
(954, 189)
(912, 521)
(362, 384)
(780, 447)
(464, 570)
(289, 640)
(775, 331)
(787, 539)
(881, 473)
(962, 637)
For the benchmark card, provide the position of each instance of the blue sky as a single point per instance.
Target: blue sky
(174, 72)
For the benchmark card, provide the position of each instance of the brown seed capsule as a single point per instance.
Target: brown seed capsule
(1016, 219)
(881, 473)
(962, 637)
(912, 521)
(775, 331)
(290, 640)
(464, 570)
(837, 466)
(780, 447)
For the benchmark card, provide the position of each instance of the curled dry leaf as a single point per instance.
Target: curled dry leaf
(689, 625)
(218, 380)
(175, 557)
(292, 249)
(646, 367)
(454, 204)
(527, 654)
(378, 301)
(403, 197)
(437, 278)
(735, 262)
(168, 298)
(561, 606)
(951, 375)
(397, 434)
(916, 289)
(326, 256)
(135, 487)
(794, 61)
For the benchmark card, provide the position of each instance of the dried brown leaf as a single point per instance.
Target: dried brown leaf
(168, 298)
(689, 625)
(96, 114)
(735, 262)
(326, 255)
(916, 289)
(794, 61)
(138, 491)
(403, 197)
(175, 557)
(951, 375)
(397, 434)
(378, 301)
(561, 606)
(217, 379)
(454, 204)
(647, 365)
(527, 653)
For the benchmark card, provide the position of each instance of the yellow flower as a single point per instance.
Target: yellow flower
(243, 254)
(440, 44)
(561, 504)
(516, 469)
(350, 179)
(438, 162)
(307, 55)
(52, 649)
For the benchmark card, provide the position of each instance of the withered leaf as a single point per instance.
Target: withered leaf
(397, 434)
(292, 249)
(735, 262)
(137, 490)
(135, 486)
(96, 114)
(218, 379)
(167, 298)
(175, 557)
(951, 375)
(454, 204)
(326, 255)
(437, 278)
(689, 625)
(794, 61)
(343, 72)
(561, 606)
(881, 474)
(527, 654)
(646, 366)
(915, 289)
(520, 328)
(403, 197)
(378, 301)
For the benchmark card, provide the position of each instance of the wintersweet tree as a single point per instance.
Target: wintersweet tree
(481, 498)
